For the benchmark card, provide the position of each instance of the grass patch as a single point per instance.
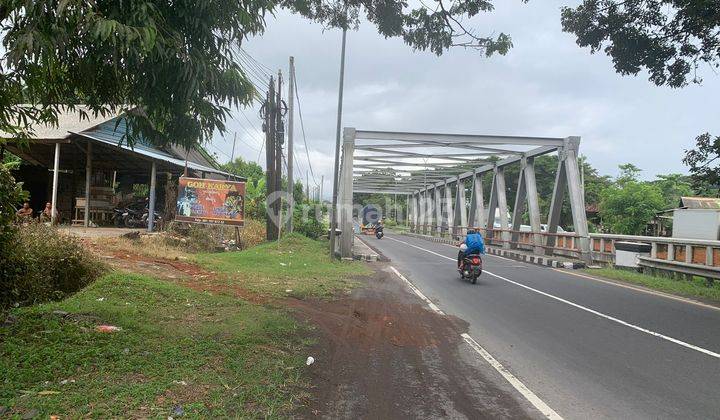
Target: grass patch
(213, 356)
(697, 287)
(296, 263)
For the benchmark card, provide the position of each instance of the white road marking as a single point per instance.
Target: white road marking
(515, 382)
(640, 289)
(584, 308)
(613, 283)
(418, 292)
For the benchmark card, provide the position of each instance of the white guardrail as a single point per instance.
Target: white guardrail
(691, 257)
(694, 257)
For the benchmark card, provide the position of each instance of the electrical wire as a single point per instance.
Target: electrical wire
(302, 126)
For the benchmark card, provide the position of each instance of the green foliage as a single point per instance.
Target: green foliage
(695, 288)
(38, 263)
(295, 265)
(255, 200)
(214, 355)
(703, 165)
(11, 195)
(667, 38)
(250, 170)
(627, 208)
(673, 187)
(306, 222)
(174, 62)
(174, 65)
(628, 173)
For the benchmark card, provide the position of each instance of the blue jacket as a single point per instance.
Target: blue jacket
(474, 244)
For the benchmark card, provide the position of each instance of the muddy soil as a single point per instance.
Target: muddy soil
(381, 354)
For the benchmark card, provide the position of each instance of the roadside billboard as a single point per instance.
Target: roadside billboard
(211, 201)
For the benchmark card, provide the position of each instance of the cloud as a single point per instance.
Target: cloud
(545, 86)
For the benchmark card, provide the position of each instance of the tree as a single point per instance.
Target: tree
(667, 38)
(174, 65)
(628, 173)
(627, 206)
(250, 170)
(673, 187)
(703, 163)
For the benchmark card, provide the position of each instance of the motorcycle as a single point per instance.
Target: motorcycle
(471, 267)
(379, 232)
(133, 217)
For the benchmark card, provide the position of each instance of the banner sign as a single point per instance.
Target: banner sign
(211, 201)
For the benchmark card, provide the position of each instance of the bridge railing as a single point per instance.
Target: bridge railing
(676, 255)
(680, 255)
(565, 243)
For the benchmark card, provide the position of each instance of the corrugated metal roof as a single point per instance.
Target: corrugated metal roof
(68, 121)
(700, 202)
(109, 134)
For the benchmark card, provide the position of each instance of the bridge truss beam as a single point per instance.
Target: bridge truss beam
(434, 170)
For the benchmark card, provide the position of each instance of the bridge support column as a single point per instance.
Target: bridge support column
(533, 205)
(476, 217)
(346, 198)
(460, 218)
(519, 207)
(420, 212)
(492, 207)
(448, 214)
(502, 205)
(577, 197)
(568, 176)
(427, 229)
(437, 202)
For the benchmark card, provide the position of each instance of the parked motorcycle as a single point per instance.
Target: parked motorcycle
(134, 217)
(471, 267)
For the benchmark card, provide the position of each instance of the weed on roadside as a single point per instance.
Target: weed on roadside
(177, 351)
(697, 287)
(295, 266)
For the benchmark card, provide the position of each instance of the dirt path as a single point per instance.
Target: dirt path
(382, 354)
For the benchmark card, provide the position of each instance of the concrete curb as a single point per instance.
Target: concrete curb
(368, 254)
(509, 253)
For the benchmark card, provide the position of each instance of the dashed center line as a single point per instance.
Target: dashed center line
(581, 307)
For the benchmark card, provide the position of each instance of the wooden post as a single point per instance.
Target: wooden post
(88, 176)
(56, 172)
(151, 205)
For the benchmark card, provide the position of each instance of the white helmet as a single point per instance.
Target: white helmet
(463, 247)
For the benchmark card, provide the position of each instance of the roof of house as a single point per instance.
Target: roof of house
(700, 202)
(69, 121)
(108, 130)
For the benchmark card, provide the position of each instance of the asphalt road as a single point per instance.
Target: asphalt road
(587, 348)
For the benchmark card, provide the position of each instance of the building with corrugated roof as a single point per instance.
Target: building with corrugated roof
(86, 149)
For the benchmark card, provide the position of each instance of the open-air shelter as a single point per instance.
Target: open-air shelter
(83, 165)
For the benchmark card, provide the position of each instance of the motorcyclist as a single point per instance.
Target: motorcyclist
(474, 244)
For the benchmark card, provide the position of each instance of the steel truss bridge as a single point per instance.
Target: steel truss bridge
(438, 171)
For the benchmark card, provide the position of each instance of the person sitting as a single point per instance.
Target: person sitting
(25, 213)
(46, 215)
(474, 244)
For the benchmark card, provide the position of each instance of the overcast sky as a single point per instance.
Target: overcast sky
(545, 86)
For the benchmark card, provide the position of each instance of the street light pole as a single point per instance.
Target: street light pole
(333, 213)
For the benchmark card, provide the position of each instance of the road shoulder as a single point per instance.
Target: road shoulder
(381, 353)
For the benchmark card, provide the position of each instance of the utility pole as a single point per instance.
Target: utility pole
(322, 181)
(307, 186)
(232, 154)
(291, 119)
(269, 111)
(279, 140)
(333, 213)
